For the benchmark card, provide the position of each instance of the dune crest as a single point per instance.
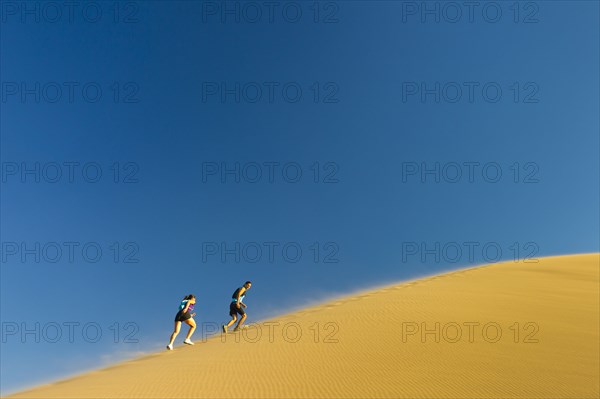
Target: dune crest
(508, 330)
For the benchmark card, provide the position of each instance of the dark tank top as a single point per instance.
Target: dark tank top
(235, 294)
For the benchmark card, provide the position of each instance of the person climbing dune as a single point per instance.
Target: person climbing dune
(184, 315)
(237, 306)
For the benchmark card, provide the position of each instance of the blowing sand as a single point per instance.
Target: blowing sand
(527, 330)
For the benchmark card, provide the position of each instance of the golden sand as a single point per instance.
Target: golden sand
(527, 330)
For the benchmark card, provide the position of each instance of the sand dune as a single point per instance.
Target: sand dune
(371, 345)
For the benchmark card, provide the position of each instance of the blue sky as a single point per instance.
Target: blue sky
(162, 98)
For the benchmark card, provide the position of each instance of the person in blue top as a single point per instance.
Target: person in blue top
(237, 306)
(184, 315)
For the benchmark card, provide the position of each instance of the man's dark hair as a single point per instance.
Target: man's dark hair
(248, 282)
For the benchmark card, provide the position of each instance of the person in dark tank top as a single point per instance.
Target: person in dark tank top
(237, 306)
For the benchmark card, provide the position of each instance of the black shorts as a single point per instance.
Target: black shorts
(233, 309)
(180, 316)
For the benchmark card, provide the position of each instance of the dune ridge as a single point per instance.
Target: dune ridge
(507, 330)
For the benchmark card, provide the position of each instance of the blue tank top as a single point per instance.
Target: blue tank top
(182, 306)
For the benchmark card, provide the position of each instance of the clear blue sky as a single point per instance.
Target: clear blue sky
(168, 116)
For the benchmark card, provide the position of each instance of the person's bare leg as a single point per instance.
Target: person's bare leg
(176, 330)
(233, 320)
(239, 324)
(192, 324)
